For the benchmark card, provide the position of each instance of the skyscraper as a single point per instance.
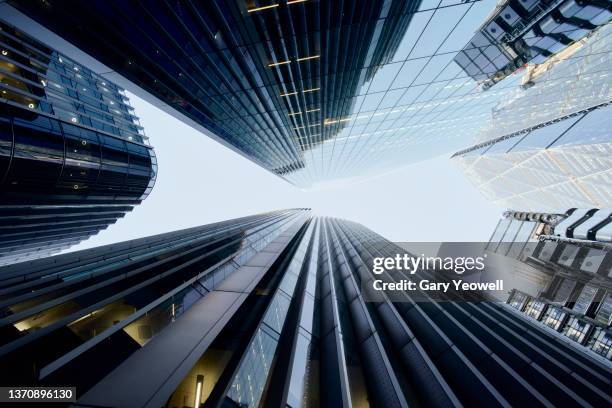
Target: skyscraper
(520, 32)
(310, 90)
(262, 78)
(73, 157)
(272, 310)
(561, 164)
(565, 263)
(547, 147)
(568, 83)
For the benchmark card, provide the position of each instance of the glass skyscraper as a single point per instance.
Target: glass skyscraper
(564, 164)
(561, 86)
(548, 147)
(264, 80)
(521, 32)
(73, 157)
(310, 90)
(273, 310)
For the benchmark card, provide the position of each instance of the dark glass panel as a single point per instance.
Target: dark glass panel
(6, 145)
(82, 160)
(114, 168)
(38, 157)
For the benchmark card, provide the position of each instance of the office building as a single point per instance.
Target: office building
(567, 264)
(520, 32)
(310, 90)
(261, 78)
(560, 164)
(547, 147)
(564, 85)
(73, 157)
(273, 310)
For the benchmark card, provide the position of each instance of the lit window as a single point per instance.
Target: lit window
(308, 58)
(273, 64)
(262, 8)
(332, 121)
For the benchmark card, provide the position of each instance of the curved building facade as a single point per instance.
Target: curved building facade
(73, 157)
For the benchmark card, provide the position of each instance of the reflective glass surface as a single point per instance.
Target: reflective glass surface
(69, 140)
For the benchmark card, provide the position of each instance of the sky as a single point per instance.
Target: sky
(200, 181)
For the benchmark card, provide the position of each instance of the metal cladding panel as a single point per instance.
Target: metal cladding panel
(578, 214)
(605, 233)
(137, 287)
(584, 229)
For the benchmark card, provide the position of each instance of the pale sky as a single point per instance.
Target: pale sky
(200, 181)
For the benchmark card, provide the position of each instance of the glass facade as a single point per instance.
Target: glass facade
(553, 93)
(64, 312)
(516, 234)
(271, 310)
(310, 90)
(556, 156)
(523, 32)
(248, 384)
(561, 165)
(73, 157)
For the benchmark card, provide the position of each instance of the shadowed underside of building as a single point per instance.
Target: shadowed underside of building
(270, 310)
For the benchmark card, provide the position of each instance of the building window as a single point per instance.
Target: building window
(576, 329)
(534, 308)
(517, 300)
(601, 343)
(553, 317)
